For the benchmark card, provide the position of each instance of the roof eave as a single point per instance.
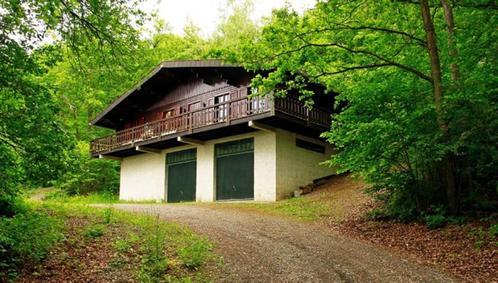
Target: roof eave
(153, 72)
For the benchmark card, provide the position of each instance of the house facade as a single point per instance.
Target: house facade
(192, 131)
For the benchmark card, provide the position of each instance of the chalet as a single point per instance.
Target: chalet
(192, 131)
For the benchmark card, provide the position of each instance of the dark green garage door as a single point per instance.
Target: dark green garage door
(181, 175)
(235, 170)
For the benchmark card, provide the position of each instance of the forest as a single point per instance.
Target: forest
(416, 115)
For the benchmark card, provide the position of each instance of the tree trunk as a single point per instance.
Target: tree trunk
(437, 84)
(453, 51)
(464, 179)
(447, 166)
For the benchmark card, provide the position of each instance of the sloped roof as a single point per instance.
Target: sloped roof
(164, 65)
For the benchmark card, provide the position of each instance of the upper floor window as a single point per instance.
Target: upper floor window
(222, 109)
(194, 106)
(168, 113)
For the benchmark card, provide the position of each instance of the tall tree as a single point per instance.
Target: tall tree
(406, 119)
(437, 89)
(31, 132)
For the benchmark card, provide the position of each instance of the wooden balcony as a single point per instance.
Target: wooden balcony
(225, 114)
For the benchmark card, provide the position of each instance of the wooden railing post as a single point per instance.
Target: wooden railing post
(271, 104)
(190, 118)
(307, 115)
(228, 112)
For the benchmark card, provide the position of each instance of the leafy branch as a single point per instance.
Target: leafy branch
(386, 61)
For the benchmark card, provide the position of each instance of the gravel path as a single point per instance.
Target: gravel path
(260, 248)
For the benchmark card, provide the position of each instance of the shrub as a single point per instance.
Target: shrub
(376, 214)
(95, 231)
(11, 174)
(89, 175)
(122, 245)
(437, 219)
(479, 237)
(11, 205)
(92, 176)
(25, 238)
(195, 254)
(456, 220)
(154, 263)
(108, 215)
(493, 230)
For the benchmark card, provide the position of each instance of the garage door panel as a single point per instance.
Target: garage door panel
(235, 170)
(181, 176)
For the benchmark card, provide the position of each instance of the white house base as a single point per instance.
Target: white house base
(280, 167)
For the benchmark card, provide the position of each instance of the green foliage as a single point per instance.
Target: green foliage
(437, 219)
(143, 243)
(108, 215)
(479, 237)
(49, 93)
(10, 162)
(235, 29)
(123, 245)
(385, 126)
(87, 176)
(93, 176)
(194, 255)
(95, 231)
(154, 262)
(34, 139)
(60, 196)
(493, 230)
(26, 238)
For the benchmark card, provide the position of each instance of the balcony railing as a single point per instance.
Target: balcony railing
(226, 112)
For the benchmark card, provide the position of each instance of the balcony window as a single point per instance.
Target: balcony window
(222, 109)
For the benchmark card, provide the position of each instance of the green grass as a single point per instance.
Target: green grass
(303, 208)
(58, 196)
(335, 201)
(26, 237)
(160, 251)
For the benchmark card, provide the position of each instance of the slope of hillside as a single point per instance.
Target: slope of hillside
(340, 198)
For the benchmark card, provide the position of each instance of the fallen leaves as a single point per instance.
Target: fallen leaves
(82, 259)
(453, 248)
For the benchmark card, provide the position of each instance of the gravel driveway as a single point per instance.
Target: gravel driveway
(261, 248)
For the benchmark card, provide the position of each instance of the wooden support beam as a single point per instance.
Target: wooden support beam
(259, 126)
(147, 149)
(189, 141)
(110, 157)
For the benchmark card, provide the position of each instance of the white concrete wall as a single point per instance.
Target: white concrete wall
(264, 167)
(298, 166)
(142, 177)
(265, 162)
(205, 173)
(280, 167)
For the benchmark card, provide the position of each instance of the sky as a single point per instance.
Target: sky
(205, 14)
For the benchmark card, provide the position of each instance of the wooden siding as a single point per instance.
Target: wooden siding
(179, 99)
(205, 118)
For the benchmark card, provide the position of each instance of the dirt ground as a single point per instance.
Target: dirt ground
(265, 248)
